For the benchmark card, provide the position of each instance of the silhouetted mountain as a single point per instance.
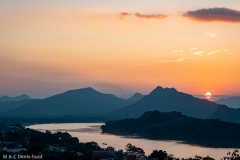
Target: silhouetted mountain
(225, 113)
(136, 97)
(8, 106)
(174, 125)
(233, 102)
(17, 98)
(80, 101)
(167, 100)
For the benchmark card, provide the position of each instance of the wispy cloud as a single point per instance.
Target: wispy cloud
(149, 16)
(193, 49)
(209, 54)
(212, 35)
(145, 16)
(199, 53)
(225, 50)
(177, 51)
(214, 14)
(175, 60)
(124, 14)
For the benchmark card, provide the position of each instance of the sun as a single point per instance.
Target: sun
(208, 95)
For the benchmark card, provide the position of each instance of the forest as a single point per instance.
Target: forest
(175, 126)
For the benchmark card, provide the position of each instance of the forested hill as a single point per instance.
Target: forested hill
(174, 125)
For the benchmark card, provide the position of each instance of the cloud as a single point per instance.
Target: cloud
(178, 51)
(199, 53)
(212, 35)
(148, 16)
(124, 14)
(209, 54)
(193, 49)
(214, 14)
(176, 60)
(139, 15)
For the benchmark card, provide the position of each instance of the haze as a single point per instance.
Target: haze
(120, 47)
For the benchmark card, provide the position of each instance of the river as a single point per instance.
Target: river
(87, 132)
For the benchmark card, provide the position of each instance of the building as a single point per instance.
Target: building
(56, 149)
(105, 155)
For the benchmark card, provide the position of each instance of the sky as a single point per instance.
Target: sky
(120, 46)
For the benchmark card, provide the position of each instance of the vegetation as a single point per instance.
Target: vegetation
(39, 143)
(174, 125)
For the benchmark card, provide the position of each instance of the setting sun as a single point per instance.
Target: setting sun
(208, 95)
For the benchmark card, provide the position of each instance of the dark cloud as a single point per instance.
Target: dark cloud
(214, 14)
(148, 16)
(139, 15)
(124, 14)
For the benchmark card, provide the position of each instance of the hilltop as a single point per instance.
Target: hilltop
(175, 126)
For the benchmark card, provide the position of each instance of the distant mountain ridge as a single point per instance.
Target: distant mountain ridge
(225, 113)
(10, 105)
(80, 101)
(87, 101)
(136, 97)
(233, 102)
(17, 98)
(167, 100)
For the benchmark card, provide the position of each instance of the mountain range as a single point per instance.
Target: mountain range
(17, 98)
(88, 101)
(167, 100)
(11, 105)
(80, 101)
(233, 102)
(225, 113)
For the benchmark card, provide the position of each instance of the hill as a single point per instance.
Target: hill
(17, 98)
(10, 105)
(136, 97)
(175, 126)
(167, 100)
(80, 101)
(233, 102)
(225, 113)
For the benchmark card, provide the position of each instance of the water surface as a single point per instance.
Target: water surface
(87, 132)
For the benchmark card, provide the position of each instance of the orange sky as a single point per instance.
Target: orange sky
(47, 49)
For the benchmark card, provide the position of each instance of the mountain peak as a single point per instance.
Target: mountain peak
(171, 89)
(17, 98)
(135, 97)
(87, 89)
(137, 94)
(160, 90)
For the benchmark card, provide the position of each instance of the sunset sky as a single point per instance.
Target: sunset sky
(121, 46)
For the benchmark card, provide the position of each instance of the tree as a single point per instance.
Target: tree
(132, 148)
(233, 156)
(161, 155)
